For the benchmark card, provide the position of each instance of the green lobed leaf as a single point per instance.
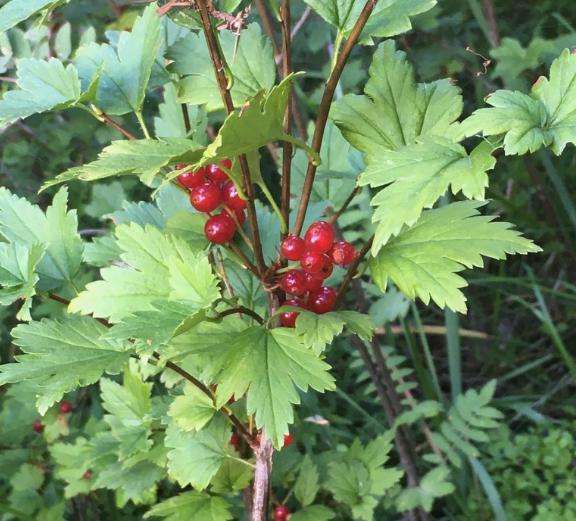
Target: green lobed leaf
(192, 505)
(423, 261)
(43, 86)
(433, 485)
(144, 158)
(61, 356)
(269, 365)
(313, 513)
(192, 410)
(307, 484)
(16, 11)
(198, 86)
(123, 71)
(545, 117)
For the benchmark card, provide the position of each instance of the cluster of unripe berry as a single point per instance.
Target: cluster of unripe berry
(210, 188)
(317, 253)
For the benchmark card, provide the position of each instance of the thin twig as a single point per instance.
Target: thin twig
(300, 23)
(186, 118)
(286, 147)
(247, 263)
(222, 271)
(335, 216)
(243, 310)
(324, 109)
(220, 71)
(491, 18)
(105, 118)
(267, 25)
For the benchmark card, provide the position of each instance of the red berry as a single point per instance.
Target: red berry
(322, 300)
(327, 267)
(216, 174)
(38, 426)
(293, 247)
(192, 178)
(235, 441)
(220, 228)
(312, 262)
(313, 282)
(231, 197)
(319, 237)
(65, 407)
(288, 440)
(88, 475)
(206, 197)
(294, 282)
(343, 253)
(182, 166)
(281, 513)
(288, 319)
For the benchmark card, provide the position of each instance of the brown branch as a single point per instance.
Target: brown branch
(335, 216)
(186, 118)
(324, 109)
(352, 271)
(267, 24)
(244, 259)
(491, 18)
(242, 310)
(286, 147)
(105, 118)
(262, 474)
(220, 71)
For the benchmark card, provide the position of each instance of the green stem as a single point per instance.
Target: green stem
(143, 126)
(283, 227)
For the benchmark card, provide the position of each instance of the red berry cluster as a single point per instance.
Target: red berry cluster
(210, 188)
(281, 513)
(317, 253)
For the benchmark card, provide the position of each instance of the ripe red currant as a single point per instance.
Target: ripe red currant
(319, 237)
(281, 513)
(235, 441)
(38, 426)
(323, 300)
(288, 440)
(65, 407)
(192, 178)
(288, 319)
(220, 228)
(231, 197)
(293, 247)
(206, 197)
(343, 253)
(327, 267)
(216, 174)
(312, 262)
(313, 282)
(294, 282)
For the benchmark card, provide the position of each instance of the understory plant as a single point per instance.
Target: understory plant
(192, 332)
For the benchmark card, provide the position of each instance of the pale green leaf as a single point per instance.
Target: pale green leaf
(269, 365)
(123, 71)
(423, 261)
(131, 483)
(192, 410)
(234, 475)
(61, 356)
(43, 86)
(144, 158)
(545, 117)
(198, 85)
(192, 280)
(16, 11)
(192, 505)
(196, 457)
(416, 176)
(433, 485)
(313, 513)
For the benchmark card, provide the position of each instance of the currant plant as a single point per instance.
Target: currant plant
(202, 319)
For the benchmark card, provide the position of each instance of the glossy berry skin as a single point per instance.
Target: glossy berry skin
(322, 301)
(288, 319)
(281, 513)
(38, 426)
(206, 197)
(288, 440)
(312, 262)
(192, 178)
(231, 197)
(343, 253)
(65, 407)
(293, 247)
(319, 237)
(294, 282)
(220, 228)
(313, 282)
(216, 174)
(327, 267)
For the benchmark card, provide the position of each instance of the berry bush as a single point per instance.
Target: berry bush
(213, 301)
